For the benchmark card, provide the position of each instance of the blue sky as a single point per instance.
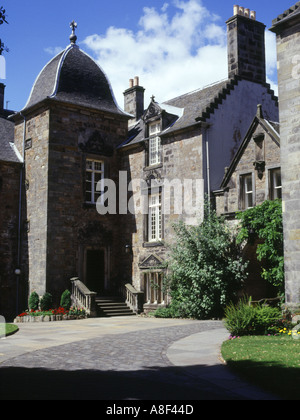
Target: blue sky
(174, 46)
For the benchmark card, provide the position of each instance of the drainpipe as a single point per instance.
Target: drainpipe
(18, 270)
(206, 127)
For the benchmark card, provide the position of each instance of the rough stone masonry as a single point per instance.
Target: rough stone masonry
(287, 29)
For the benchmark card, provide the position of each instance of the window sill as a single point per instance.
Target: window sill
(156, 166)
(152, 244)
(88, 205)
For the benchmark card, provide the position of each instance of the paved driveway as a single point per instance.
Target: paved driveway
(114, 359)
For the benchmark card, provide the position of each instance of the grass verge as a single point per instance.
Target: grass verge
(270, 362)
(10, 329)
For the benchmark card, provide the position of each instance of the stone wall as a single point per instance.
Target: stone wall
(61, 226)
(9, 206)
(35, 189)
(181, 159)
(268, 152)
(288, 57)
(75, 226)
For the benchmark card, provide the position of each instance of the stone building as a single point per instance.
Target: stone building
(158, 161)
(191, 138)
(287, 29)
(68, 132)
(10, 171)
(253, 176)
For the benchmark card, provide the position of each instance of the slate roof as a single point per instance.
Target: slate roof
(193, 108)
(286, 16)
(8, 152)
(197, 105)
(74, 77)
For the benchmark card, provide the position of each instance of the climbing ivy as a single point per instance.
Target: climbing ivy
(265, 222)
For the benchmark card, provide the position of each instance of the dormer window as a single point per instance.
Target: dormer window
(154, 144)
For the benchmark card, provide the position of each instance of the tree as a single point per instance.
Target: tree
(265, 222)
(2, 20)
(206, 268)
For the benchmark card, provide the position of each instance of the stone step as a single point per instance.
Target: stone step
(112, 306)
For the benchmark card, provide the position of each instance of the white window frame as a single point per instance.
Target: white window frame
(275, 187)
(245, 193)
(154, 152)
(155, 218)
(95, 168)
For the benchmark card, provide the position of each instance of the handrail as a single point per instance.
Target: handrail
(82, 297)
(134, 298)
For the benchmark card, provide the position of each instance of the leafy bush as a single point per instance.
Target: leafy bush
(33, 302)
(246, 319)
(265, 221)
(167, 312)
(206, 268)
(46, 301)
(65, 301)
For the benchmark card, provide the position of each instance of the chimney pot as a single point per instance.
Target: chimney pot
(236, 9)
(247, 13)
(242, 33)
(136, 81)
(130, 83)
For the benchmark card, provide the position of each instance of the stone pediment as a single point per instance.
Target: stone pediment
(153, 110)
(151, 261)
(98, 144)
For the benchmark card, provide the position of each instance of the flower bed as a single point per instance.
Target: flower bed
(58, 314)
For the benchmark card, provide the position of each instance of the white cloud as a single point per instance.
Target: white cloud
(172, 54)
(176, 49)
(271, 60)
(53, 50)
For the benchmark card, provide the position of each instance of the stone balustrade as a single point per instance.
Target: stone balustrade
(82, 297)
(134, 298)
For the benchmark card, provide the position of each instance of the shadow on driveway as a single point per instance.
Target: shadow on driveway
(155, 383)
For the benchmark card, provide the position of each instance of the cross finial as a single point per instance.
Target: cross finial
(73, 37)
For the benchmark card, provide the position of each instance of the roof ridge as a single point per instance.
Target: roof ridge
(287, 13)
(194, 91)
(219, 97)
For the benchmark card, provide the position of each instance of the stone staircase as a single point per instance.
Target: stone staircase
(109, 306)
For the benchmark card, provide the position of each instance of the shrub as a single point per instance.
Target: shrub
(34, 300)
(206, 268)
(46, 301)
(65, 301)
(246, 319)
(167, 312)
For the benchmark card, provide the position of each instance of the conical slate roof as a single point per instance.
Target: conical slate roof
(74, 77)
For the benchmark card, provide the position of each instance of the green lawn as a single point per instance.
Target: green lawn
(9, 329)
(271, 362)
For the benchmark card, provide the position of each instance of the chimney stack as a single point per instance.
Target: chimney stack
(246, 45)
(134, 99)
